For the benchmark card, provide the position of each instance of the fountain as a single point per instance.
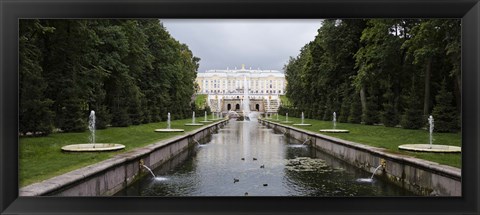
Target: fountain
(334, 130)
(168, 129)
(92, 146)
(431, 147)
(369, 180)
(232, 114)
(306, 140)
(286, 119)
(198, 143)
(206, 120)
(193, 121)
(303, 124)
(151, 172)
(246, 100)
(213, 117)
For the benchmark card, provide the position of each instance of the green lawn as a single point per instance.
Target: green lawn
(390, 138)
(41, 157)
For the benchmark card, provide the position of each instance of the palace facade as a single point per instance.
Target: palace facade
(226, 89)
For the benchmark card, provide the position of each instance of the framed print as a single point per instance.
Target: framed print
(194, 107)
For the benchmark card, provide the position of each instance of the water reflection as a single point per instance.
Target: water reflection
(246, 157)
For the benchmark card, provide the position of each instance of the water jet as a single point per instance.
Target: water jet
(431, 147)
(92, 146)
(193, 121)
(334, 130)
(303, 124)
(168, 129)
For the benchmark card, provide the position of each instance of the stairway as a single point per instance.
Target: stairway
(214, 105)
(273, 107)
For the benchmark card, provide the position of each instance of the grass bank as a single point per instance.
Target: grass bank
(41, 158)
(390, 138)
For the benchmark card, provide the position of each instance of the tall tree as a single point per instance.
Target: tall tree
(68, 62)
(35, 113)
(444, 113)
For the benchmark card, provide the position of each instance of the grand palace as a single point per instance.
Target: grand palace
(226, 89)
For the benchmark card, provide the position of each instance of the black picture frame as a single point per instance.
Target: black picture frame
(11, 11)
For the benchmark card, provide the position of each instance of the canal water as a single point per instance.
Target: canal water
(248, 159)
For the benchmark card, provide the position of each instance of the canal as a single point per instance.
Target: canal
(248, 159)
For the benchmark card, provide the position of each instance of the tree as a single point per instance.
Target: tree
(413, 116)
(138, 60)
(431, 40)
(355, 115)
(35, 113)
(370, 114)
(345, 110)
(444, 113)
(389, 115)
(68, 64)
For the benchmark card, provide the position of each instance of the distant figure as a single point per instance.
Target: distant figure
(254, 159)
(265, 185)
(235, 180)
(262, 166)
(246, 193)
(243, 159)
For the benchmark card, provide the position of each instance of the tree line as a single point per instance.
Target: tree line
(394, 72)
(129, 71)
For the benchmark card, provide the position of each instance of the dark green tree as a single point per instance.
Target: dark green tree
(35, 114)
(389, 115)
(444, 113)
(355, 115)
(413, 115)
(370, 116)
(69, 61)
(345, 110)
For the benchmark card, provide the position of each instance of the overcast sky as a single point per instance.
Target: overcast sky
(264, 44)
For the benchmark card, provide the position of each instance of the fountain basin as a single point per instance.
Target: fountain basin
(90, 147)
(194, 124)
(286, 122)
(167, 130)
(334, 131)
(206, 121)
(303, 124)
(431, 148)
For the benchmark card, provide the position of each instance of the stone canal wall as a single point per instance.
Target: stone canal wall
(110, 176)
(419, 176)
